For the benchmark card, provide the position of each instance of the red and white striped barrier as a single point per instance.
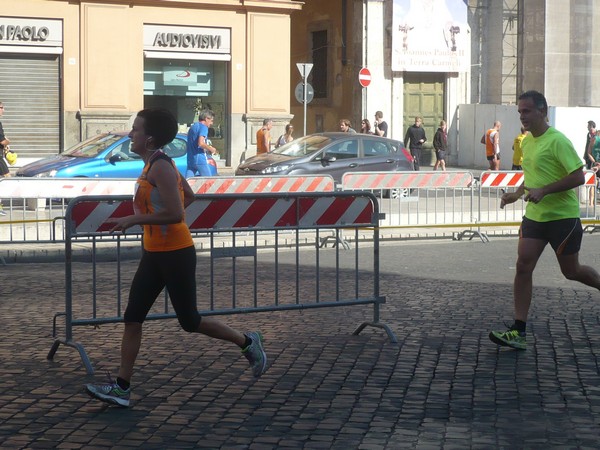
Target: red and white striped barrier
(503, 179)
(16, 187)
(404, 180)
(95, 215)
(257, 185)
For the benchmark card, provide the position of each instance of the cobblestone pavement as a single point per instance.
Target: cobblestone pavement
(443, 386)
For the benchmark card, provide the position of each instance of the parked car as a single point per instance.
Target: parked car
(106, 155)
(331, 154)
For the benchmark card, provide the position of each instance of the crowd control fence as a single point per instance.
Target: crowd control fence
(268, 272)
(35, 207)
(454, 202)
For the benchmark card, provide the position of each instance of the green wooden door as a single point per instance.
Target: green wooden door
(424, 97)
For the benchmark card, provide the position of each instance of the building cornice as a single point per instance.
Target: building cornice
(240, 5)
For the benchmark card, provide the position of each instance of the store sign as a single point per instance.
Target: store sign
(187, 39)
(430, 36)
(179, 76)
(30, 32)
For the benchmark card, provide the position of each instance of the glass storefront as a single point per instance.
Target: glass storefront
(186, 87)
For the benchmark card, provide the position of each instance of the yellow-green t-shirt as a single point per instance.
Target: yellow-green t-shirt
(517, 152)
(546, 159)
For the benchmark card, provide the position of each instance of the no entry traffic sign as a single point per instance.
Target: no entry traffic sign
(364, 77)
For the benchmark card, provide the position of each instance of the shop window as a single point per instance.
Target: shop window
(186, 87)
(319, 60)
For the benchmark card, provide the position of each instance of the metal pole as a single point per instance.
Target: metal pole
(304, 95)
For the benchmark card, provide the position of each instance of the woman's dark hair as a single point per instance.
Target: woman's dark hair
(160, 124)
(367, 124)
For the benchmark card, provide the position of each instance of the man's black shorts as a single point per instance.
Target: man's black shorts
(491, 158)
(563, 235)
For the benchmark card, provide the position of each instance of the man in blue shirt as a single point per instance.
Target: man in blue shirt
(197, 146)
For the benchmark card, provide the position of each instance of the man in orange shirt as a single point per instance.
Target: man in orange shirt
(491, 139)
(263, 137)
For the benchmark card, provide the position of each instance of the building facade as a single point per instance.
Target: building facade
(72, 69)
(511, 46)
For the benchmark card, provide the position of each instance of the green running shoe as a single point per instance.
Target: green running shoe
(255, 354)
(109, 393)
(509, 338)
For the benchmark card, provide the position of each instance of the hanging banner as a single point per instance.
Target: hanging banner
(430, 36)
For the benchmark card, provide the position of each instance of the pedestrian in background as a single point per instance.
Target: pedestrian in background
(4, 172)
(4, 142)
(263, 137)
(414, 138)
(365, 127)
(379, 125)
(346, 126)
(491, 140)
(168, 257)
(198, 145)
(591, 134)
(440, 144)
(285, 137)
(552, 169)
(518, 151)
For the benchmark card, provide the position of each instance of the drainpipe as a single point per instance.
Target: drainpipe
(344, 31)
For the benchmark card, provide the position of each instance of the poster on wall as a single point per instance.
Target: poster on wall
(430, 36)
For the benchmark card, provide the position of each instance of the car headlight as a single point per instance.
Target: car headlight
(276, 169)
(50, 173)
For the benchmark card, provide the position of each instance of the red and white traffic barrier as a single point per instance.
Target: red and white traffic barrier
(514, 179)
(406, 180)
(257, 185)
(17, 187)
(277, 211)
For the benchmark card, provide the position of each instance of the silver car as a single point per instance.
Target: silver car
(331, 154)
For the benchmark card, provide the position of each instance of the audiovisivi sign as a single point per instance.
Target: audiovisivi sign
(170, 38)
(19, 34)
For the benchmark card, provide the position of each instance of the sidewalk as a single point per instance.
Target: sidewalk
(443, 386)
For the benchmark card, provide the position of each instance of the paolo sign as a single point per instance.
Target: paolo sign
(30, 32)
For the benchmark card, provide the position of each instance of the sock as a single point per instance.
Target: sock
(247, 342)
(520, 326)
(123, 384)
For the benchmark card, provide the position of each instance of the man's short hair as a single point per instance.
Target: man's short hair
(345, 122)
(379, 115)
(538, 99)
(206, 114)
(591, 123)
(266, 121)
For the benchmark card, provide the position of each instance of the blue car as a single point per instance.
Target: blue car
(106, 155)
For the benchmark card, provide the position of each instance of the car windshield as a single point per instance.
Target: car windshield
(303, 146)
(93, 146)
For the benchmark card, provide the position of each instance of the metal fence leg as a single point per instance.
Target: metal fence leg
(84, 357)
(388, 330)
(375, 323)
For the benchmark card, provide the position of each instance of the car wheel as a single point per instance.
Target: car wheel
(397, 193)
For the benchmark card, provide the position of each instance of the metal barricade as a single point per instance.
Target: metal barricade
(493, 184)
(239, 278)
(444, 199)
(263, 184)
(35, 207)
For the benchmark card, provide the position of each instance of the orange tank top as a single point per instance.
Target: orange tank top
(490, 150)
(260, 145)
(159, 238)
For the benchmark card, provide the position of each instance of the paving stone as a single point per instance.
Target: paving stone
(443, 386)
